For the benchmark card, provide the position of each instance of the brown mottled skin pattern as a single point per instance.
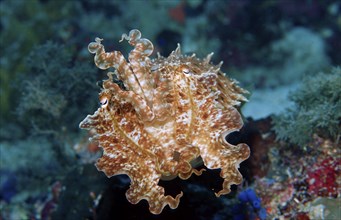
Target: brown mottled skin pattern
(173, 111)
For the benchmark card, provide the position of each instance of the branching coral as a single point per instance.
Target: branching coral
(170, 112)
(50, 84)
(317, 110)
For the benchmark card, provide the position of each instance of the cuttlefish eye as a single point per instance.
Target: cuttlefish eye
(104, 102)
(185, 70)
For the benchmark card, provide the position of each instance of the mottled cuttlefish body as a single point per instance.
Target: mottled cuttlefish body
(171, 111)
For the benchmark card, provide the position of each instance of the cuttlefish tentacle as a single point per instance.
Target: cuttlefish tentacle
(139, 61)
(139, 104)
(115, 59)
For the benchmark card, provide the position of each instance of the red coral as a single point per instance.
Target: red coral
(178, 13)
(322, 178)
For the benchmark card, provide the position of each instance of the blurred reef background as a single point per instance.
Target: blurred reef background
(285, 52)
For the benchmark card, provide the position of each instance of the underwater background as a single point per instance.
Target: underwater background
(285, 53)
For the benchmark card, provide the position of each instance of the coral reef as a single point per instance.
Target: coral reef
(48, 84)
(46, 123)
(317, 110)
(32, 172)
(169, 112)
(49, 88)
(250, 202)
(301, 178)
(30, 23)
(322, 177)
(299, 52)
(90, 185)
